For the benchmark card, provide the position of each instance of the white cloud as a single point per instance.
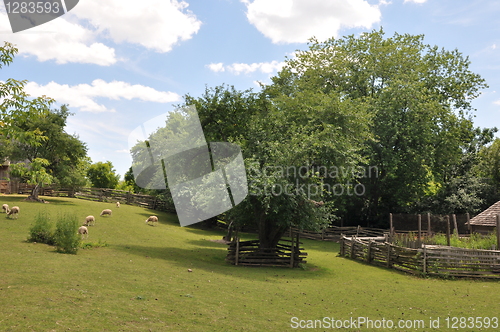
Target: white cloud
(416, 1)
(497, 102)
(295, 21)
(82, 35)
(216, 67)
(154, 24)
(60, 40)
(245, 68)
(82, 95)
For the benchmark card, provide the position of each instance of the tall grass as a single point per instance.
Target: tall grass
(474, 241)
(66, 234)
(41, 231)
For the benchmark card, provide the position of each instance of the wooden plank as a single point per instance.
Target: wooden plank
(498, 231)
(448, 230)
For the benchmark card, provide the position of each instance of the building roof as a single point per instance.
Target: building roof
(487, 217)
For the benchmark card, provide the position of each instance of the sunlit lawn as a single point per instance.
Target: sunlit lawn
(140, 282)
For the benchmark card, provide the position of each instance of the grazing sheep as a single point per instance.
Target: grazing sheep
(13, 211)
(83, 231)
(89, 220)
(106, 211)
(117, 204)
(5, 208)
(152, 219)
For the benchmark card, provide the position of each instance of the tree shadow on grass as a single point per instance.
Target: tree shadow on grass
(211, 259)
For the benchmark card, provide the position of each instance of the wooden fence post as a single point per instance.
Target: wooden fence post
(369, 252)
(352, 247)
(388, 254)
(419, 242)
(455, 231)
(292, 248)
(448, 230)
(429, 229)
(424, 261)
(391, 228)
(342, 244)
(498, 231)
(237, 251)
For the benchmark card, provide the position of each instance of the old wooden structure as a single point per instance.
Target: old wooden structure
(485, 222)
(287, 253)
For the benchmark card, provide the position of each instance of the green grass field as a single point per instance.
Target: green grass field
(140, 282)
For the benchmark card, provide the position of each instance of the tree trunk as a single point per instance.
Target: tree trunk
(269, 232)
(34, 195)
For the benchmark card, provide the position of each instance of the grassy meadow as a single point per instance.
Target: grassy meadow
(140, 282)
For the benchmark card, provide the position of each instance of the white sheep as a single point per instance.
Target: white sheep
(106, 211)
(117, 204)
(13, 211)
(83, 231)
(89, 220)
(152, 219)
(5, 208)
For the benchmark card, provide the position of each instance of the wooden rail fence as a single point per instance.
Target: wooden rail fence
(288, 253)
(334, 233)
(432, 260)
(104, 195)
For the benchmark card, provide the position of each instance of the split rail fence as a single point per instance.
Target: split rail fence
(105, 195)
(288, 253)
(434, 260)
(334, 233)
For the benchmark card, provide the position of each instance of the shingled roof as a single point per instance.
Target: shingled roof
(487, 217)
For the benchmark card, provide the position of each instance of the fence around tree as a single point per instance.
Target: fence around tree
(287, 253)
(442, 261)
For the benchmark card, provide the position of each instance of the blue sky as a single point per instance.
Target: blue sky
(119, 63)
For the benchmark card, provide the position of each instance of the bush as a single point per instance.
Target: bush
(66, 235)
(41, 231)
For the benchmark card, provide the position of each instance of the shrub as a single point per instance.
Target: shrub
(66, 235)
(41, 231)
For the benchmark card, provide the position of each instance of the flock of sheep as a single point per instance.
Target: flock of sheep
(89, 220)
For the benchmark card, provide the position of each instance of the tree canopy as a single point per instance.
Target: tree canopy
(33, 134)
(17, 106)
(103, 175)
(418, 98)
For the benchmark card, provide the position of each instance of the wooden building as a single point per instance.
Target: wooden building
(486, 221)
(5, 178)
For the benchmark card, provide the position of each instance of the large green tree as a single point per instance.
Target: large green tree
(31, 132)
(17, 107)
(66, 154)
(289, 132)
(419, 98)
(103, 175)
